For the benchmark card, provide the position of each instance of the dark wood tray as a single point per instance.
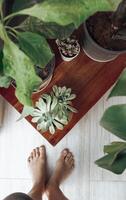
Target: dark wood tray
(88, 79)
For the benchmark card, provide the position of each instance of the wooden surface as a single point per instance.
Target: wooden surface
(85, 140)
(88, 79)
(1, 111)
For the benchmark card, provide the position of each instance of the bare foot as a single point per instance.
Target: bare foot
(37, 165)
(64, 167)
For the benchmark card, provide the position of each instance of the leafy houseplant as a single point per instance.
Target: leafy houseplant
(114, 120)
(52, 111)
(69, 48)
(105, 34)
(19, 54)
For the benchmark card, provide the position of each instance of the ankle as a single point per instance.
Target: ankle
(53, 192)
(38, 187)
(36, 191)
(51, 188)
(54, 182)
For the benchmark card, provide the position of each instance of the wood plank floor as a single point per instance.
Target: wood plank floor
(86, 140)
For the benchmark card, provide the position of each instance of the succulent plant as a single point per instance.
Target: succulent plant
(68, 47)
(64, 98)
(52, 110)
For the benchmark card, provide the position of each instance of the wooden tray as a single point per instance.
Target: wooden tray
(88, 79)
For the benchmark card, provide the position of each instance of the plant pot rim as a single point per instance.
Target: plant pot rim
(65, 58)
(97, 45)
(46, 81)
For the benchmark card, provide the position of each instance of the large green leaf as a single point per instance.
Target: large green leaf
(115, 160)
(21, 4)
(27, 110)
(48, 30)
(4, 80)
(18, 66)
(36, 47)
(115, 3)
(115, 147)
(120, 87)
(114, 120)
(118, 166)
(67, 12)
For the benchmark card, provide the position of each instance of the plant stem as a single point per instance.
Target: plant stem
(8, 21)
(10, 16)
(3, 33)
(18, 27)
(12, 29)
(13, 34)
(1, 14)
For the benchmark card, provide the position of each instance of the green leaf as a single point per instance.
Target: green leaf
(18, 66)
(48, 30)
(115, 160)
(67, 12)
(35, 47)
(114, 120)
(118, 166)
(4, 80)
(1, 2)
(120, 87)
(27, 110)
(21, 4)
(115, 3)
(115, 147)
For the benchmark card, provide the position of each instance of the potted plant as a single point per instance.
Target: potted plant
(114, 120)
(69, 48)
(19, 54)
(105, 34)
(53, 111)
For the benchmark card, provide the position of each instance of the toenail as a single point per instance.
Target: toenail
(65, 151)
(42, 146)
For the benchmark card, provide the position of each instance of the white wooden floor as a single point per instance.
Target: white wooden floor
(86, 140)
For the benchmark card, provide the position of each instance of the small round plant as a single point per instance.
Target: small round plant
(69, 48)
(64, 100)
(52, 111)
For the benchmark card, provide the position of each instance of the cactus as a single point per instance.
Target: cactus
(68, 47)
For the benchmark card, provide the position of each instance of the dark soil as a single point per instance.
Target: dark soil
(100, 28)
